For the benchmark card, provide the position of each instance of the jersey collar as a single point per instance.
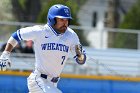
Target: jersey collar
(54, 31)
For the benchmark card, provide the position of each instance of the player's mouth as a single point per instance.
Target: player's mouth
(63, 28)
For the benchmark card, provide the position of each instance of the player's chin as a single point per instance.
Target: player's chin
(63, 29)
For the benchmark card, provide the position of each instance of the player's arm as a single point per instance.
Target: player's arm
(5, 57)
(76, 48)
(27, 33)
(80, 54)
(11, 44)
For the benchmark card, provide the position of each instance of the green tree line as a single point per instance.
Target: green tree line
(36, 11)
(131, 21)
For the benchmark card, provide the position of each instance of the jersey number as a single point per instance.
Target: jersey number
(63, 58)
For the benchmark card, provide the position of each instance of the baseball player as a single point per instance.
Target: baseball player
(52, 44)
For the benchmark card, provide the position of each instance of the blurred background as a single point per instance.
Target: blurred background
(109, 31)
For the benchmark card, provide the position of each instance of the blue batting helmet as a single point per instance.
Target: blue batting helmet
(59, 11)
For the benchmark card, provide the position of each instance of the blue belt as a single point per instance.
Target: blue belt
(54, 79)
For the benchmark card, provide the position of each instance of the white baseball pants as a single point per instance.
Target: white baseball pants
(37, 84)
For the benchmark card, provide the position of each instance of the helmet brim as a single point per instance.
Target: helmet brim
(63, 17)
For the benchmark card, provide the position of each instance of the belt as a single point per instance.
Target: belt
(54, 79)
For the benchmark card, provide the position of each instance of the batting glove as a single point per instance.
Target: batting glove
(5, 61)
(80, 54)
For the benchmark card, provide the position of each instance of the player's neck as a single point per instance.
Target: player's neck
(58, 32)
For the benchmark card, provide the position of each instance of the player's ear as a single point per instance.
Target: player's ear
(69, 23)
(55, 21)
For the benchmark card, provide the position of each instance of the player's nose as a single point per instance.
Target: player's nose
(65, 21)
(66, 24)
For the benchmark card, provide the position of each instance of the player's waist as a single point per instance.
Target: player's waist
(47, 77)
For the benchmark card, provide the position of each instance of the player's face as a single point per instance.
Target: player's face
(61, 24)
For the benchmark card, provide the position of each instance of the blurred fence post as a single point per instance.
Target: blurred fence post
(97, 68)
(138, 42)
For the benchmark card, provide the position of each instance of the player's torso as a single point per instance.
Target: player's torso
(52, 51)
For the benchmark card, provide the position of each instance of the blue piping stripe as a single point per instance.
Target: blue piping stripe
(19, 35)
(38, 84)
(53, 30)
(15, 36)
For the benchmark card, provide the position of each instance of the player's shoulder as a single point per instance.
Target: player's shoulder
(70, 31)
(72, 34)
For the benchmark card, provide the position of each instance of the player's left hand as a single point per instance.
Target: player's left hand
(80, 54)
(5, 61)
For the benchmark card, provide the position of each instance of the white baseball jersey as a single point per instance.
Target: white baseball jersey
(51, 49)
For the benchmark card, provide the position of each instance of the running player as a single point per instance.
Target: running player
(52, 45)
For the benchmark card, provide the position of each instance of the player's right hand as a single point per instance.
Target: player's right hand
(5, 61)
